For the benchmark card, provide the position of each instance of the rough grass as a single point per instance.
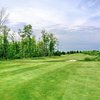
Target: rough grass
(52, 78)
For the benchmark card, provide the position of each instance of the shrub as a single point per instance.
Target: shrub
(63, 53)
(97, 58)
(88, 59)
(57, 53)
(17, 56)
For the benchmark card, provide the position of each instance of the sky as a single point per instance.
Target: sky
(76, 23)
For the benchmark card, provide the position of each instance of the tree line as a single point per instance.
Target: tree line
(26, 46)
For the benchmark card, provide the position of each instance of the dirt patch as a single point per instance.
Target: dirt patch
(73, 60)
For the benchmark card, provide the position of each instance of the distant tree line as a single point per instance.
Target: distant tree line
(92, 52)
(59, 53)
(73, 52)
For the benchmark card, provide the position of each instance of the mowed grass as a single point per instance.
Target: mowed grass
(51, 78)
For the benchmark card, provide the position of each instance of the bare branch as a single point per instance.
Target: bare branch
(3, 16)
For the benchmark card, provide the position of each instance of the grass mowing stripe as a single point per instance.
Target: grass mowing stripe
(54, 66)
(17, 67)
(16, 63)
(18, 70)
(26, 76)
(3, 66)
(23, 70)
(50, 85)
(85, 84)
(63, 84)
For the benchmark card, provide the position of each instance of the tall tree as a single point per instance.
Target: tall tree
(28, 33)
(52, 43)
(27, 41)
(4, 31)
(45, 39)
(49, 42)
(1, 46)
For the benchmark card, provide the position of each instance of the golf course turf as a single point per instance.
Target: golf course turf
(50, 78)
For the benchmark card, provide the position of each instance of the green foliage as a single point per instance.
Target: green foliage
(97, 58)
(88, 59)
(26, 46)
(73, 52)
(95, 53)
(57, 53)
(63, 53)
(49, 42)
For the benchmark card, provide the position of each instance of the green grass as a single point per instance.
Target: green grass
(51, 78)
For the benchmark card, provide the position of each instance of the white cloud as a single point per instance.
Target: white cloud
(35, 16)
